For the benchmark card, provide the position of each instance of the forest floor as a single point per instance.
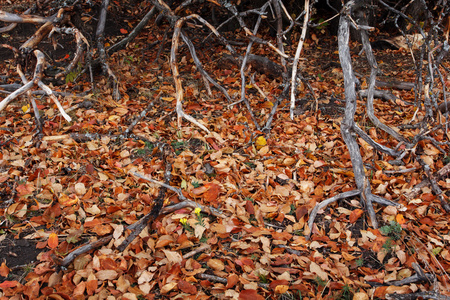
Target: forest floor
(59, 192)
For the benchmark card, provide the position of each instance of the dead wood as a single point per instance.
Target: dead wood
(417, 295)
(394, 84)
(157, 206)
(370, 95)
(25, 18)
(419, 277)
(198, 250)
(296, 59)
(33, 102)
(244, 67)
(348, 127)
(99, 33)
(200, 68)
(82, 43)
(434, 186)
(123, 43)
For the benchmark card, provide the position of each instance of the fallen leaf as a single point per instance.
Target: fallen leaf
(250, 295)
(53, 240)
(260, 142)
(355, 215)
(216, 264)
(168, 287)
(4, 270)
(186, 287)
(315, 268)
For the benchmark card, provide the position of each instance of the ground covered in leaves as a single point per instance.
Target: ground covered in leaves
(59, 192)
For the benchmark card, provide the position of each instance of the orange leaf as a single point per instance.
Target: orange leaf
(400, 219)
(232, 280)
(4, 270)
(53, 240)
(8, 284)
(355, 215)
(123, 31)
(65, 200)
(212, 193)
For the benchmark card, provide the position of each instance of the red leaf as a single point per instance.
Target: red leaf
(8, 284)
(123, 31)
(249, 207)
(250, 295)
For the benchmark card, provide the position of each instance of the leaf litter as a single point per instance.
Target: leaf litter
(67, 192)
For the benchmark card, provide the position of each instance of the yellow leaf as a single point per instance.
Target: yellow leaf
(260, 142)
(26, 108)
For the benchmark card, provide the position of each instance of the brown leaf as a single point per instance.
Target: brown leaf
(315, 268)
(232, 280)
(250, 295)
(281, 289)
(212, 192)
(355, 215)
(275, 283)
(168, 287)
(106, 275)
(216, 264)
(186, 287)
(301, 211)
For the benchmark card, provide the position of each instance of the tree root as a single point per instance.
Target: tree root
(35, 81)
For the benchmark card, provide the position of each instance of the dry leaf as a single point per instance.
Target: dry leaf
(315, 268)
(168, 287)
(53, 240)
(172, 256)
(4, 270)
(216, 264)
(260, 142)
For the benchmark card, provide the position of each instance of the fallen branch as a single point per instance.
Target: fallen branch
(185, 202)
(434, 186)
(200, 249)
(33, 101)
(417, 295)
(419, 277)
(157, 206)
(123, 43)
(370, 94)
(200, 68)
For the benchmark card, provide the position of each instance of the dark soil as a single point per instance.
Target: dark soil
(18, 254)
